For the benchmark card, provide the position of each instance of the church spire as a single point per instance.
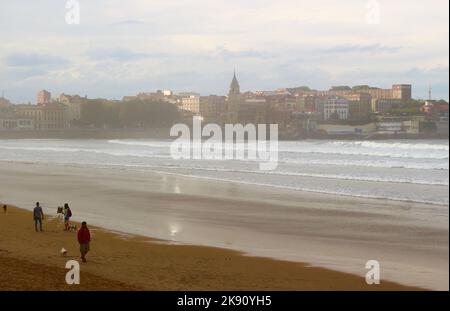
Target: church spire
(234, 86)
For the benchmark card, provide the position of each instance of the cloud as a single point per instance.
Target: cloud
(229, 54)
(138, 45)
(118, 54)
(34, 60)
(368, 48)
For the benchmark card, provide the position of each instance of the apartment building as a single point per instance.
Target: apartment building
(15, 122)
(45, 117)
(44, 97)
(333, 108)
(73, 104)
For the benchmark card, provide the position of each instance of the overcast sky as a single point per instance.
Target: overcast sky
(125, 47)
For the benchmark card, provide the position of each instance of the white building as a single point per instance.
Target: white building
(335, 108)
(398, 125)
(191, 103)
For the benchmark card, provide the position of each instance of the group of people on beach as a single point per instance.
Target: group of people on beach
(83, 234)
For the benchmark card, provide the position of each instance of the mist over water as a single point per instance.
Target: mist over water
(407, 170)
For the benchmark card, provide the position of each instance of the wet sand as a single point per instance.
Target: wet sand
(339, 233)
(31, 260)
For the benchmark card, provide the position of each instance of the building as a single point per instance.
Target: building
(234, 100)
(209, 107)
(359, 105)
(442, 126)
(212, 107)
(377, 93)
(43, 97)
(4, 103)
(343, 129)
(15, 122)
(383, 105)
(191, 104)
(435, 108)
(335, 108)
(73, 104)
(266, 93)
(397, 91)
(253, 110)
(401, 91)
(399, 125)
(45, 117)
(283, 91)
(306, 103)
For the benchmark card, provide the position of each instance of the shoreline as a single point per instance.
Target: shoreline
(41, 268)
(164, 133)
(218, 180)
(346, 252)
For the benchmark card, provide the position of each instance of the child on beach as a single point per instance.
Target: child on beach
(84, 238)
(38, 216)
(67, 215)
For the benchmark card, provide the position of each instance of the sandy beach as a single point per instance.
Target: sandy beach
(31, 261)
(310, 234)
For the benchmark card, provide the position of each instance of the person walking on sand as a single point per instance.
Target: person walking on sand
(84, 238)
(38, 216)
(67, 215)
(5, 209)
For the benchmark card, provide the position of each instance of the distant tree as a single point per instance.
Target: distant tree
(92, 113)
(340, 88)
(147, 113)
(360, 87)
(131, 114)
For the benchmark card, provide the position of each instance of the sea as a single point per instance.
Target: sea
(403, 170)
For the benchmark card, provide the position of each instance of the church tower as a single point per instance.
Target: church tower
(233, 101)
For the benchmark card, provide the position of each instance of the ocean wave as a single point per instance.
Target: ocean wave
(328, 192)
(313, 175)
(355, 148)
(369, 153)
(378, 163)
(394, 145)
(160, 144)
(350, 160)
(148, 153)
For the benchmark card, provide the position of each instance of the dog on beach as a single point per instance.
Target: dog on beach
(63, 252)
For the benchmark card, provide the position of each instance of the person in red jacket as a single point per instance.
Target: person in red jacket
(84, 238)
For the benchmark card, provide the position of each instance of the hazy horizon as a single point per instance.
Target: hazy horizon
(122, 48)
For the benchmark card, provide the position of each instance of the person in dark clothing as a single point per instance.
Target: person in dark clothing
(84, 238)
(67, 215)
(38, 216)
(5, 209)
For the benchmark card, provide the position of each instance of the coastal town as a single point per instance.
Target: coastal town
(361, 111)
